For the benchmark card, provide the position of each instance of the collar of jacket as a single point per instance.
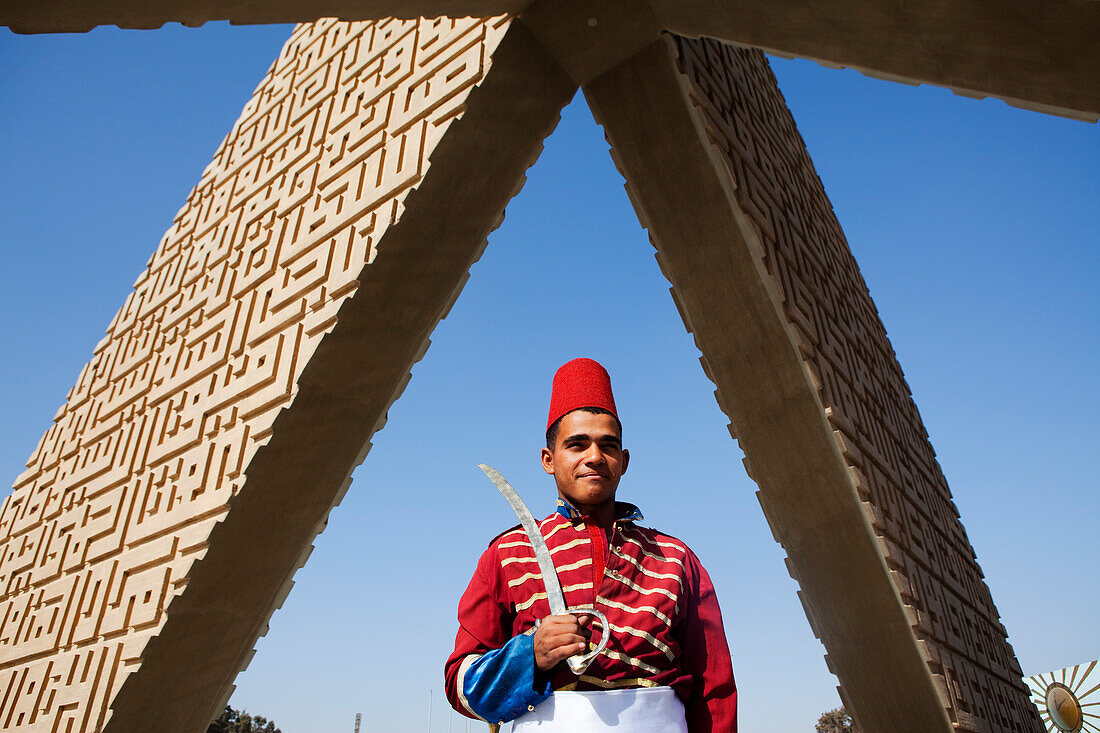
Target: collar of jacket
(624, 511)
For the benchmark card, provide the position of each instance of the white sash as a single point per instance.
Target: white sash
(633, 710)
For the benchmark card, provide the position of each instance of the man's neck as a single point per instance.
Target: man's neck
(602, 515)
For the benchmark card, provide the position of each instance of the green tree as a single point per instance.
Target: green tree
(233, 721)
(835, 721)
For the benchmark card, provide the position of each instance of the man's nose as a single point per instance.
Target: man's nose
(594, 455)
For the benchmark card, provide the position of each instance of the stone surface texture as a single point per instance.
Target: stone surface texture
(866, 400)
(161, 517)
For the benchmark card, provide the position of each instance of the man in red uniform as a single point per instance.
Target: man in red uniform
(666, 667)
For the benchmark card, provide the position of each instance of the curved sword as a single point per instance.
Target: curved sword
(554, 595)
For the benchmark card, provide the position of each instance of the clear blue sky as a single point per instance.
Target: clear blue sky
(976, 226)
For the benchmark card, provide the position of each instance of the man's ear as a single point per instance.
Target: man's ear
(626, 461)
(547, 461)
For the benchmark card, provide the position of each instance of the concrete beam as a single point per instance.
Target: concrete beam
(344, 391)
(79, 16)
(765, 282)
(1042, 56)
(240, 384)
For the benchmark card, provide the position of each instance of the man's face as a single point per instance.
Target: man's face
(587, 460)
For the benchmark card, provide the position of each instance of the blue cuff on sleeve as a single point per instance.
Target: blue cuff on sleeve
(502, 683)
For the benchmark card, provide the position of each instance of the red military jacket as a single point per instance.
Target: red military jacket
(664, 619)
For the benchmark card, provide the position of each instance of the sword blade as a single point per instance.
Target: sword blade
(554, 595)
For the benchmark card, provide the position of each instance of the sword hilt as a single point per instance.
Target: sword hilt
(578, 663)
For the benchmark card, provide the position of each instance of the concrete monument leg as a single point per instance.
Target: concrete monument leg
(850, 485)
(161, 518)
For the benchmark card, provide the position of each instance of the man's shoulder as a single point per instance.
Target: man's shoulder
(511, 542)
(515, 528)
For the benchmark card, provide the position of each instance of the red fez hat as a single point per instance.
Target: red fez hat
(580, 383)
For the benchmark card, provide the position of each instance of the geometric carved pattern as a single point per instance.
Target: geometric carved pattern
(119, 499)
(861, 387)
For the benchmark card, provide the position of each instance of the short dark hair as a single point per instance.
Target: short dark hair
(552, 431)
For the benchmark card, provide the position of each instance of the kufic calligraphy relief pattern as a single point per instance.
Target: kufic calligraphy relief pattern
(878, 429)
(122, 492)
